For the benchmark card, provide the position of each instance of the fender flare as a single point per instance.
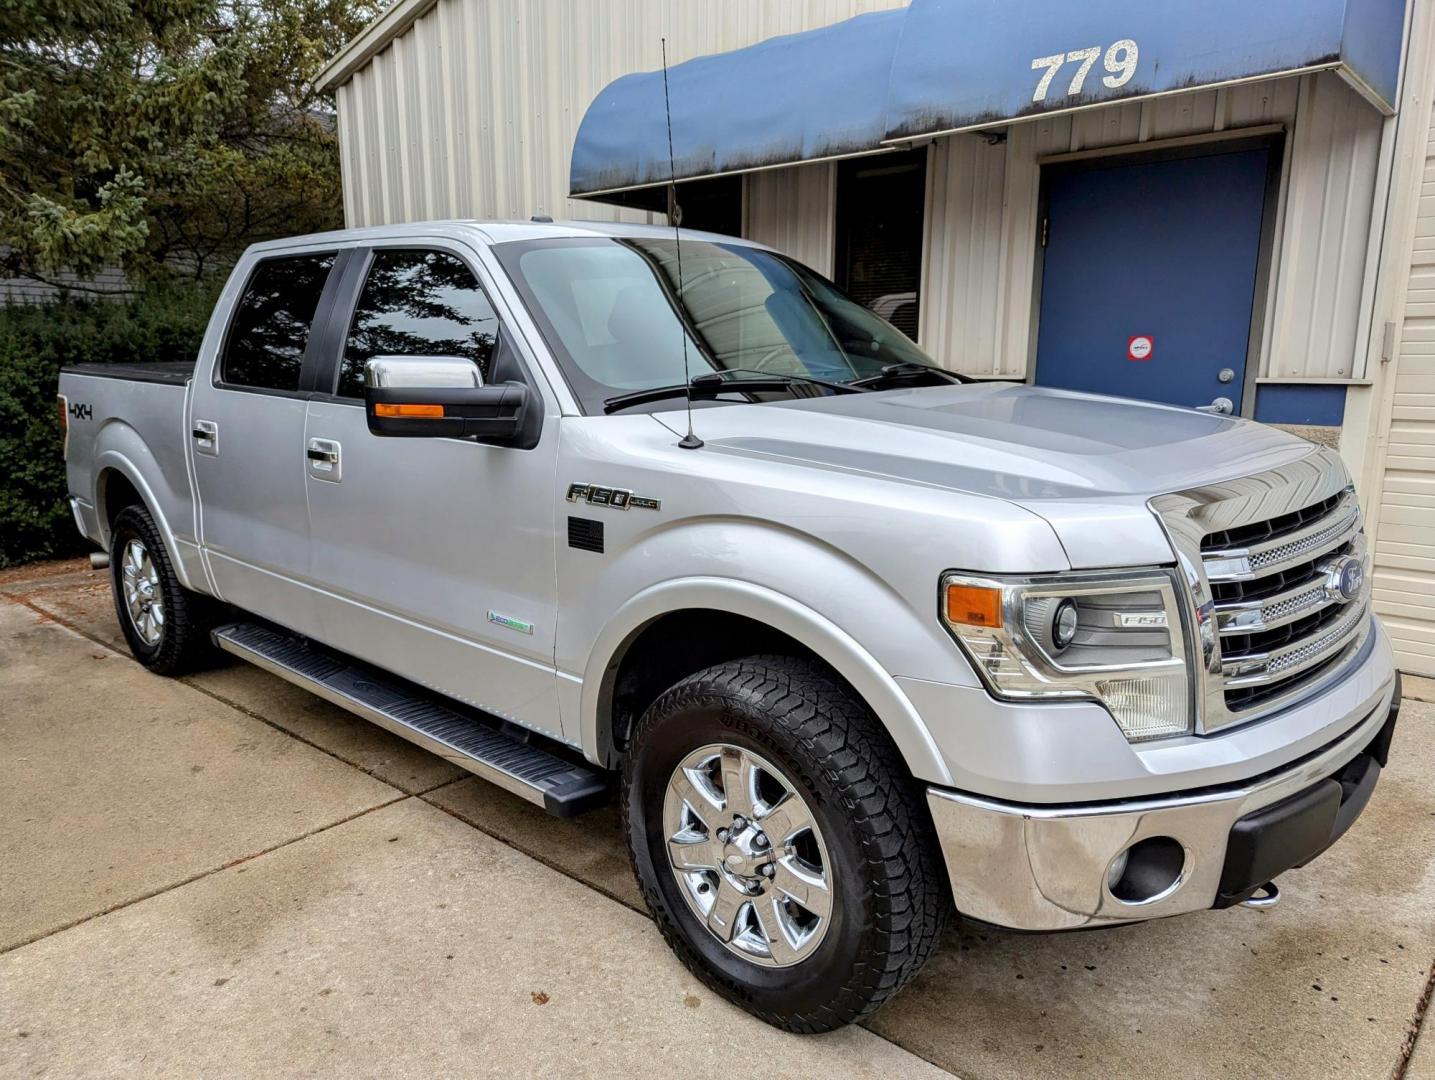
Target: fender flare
(877, 688)
(113, 460)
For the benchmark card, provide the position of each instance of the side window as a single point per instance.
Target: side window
(270, 325)
(418, 303)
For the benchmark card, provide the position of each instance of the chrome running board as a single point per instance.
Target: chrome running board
(500, 753)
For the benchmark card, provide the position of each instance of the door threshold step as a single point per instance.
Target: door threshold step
(500, 753)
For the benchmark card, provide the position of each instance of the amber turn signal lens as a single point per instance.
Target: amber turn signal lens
(974, 605)
(409, 412)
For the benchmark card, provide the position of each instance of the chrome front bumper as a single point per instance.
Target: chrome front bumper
(1045, 867)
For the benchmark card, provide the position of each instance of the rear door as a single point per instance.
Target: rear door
(246, 431)
(434, 558)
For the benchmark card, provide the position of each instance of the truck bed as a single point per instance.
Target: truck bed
(171, 372)
(120, 415)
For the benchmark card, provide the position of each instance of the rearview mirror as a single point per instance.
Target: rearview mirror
(440, 397)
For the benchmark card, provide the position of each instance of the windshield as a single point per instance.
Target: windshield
(612, 311)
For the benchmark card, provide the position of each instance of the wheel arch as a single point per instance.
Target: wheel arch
(120, 483)
(712, 611)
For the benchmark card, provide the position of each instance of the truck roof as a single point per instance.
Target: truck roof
(492, 232)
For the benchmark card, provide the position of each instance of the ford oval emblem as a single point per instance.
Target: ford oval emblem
(1344, 579)
(1352, 576)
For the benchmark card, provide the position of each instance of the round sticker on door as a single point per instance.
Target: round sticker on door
(1140, 347)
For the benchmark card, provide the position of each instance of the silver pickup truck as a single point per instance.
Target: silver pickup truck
(861, 643)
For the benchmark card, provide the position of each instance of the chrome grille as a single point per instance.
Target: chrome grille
(1289, 606)
(1299, 656)
(1315, 542)
(1261, 555)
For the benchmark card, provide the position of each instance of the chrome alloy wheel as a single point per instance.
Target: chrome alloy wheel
(747, 855)
(144, 599)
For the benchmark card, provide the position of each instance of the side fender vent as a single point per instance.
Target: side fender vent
(585, 534)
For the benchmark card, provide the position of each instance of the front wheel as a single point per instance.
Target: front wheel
(780, 843)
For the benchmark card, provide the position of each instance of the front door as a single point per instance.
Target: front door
(434, 557)
(1149, 275)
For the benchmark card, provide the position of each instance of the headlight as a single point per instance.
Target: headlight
(1110, 636)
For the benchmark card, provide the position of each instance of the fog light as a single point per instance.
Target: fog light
(1148, 870)
(1117, 869)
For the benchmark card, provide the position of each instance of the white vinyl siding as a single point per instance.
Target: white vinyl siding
(1405, 533)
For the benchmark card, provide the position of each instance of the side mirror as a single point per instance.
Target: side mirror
(440, 397)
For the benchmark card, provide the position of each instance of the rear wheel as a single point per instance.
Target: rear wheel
(780, 843)
(167, 626)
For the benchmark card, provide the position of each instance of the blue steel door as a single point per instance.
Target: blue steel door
(1149, 276)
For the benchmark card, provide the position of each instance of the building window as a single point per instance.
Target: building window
(713, 204)
(881, 205)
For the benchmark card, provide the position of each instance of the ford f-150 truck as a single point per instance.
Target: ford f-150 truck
(859, 642)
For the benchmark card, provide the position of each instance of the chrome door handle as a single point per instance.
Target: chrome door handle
(1222, 406)
(206, 437)
(324, 460)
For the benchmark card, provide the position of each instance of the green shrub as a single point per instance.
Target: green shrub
(35, 342)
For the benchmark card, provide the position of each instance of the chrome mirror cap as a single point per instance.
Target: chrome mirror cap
(422, 371)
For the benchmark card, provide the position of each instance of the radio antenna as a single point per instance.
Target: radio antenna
(690, 441)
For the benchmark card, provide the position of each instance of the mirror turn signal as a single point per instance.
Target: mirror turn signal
(430, 412)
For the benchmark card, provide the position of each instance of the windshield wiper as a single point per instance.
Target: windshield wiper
(905, 369)
(712, 384)
(831, 384)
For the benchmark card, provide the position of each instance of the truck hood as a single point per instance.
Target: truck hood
(1086, 463)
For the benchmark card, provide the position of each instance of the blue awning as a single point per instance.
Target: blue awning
(940, 66)
(799, 97)
(1025, 59)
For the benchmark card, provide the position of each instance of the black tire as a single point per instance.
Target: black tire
(890, 893)
(183, 644)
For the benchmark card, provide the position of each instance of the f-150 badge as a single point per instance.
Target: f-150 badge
(617, 498)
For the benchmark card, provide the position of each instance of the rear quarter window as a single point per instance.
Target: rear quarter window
(269, 329)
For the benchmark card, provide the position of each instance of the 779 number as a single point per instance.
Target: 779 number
(1120, 62)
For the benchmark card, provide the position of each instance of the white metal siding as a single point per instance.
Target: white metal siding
(965, 254)
(472, 112)
(982, 202)
(793, 211)
(1333, 158)
(1405, 531)
(21, 290)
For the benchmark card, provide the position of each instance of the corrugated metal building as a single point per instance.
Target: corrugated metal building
(1013, 183)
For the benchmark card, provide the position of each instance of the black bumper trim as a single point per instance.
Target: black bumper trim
(1295, 830)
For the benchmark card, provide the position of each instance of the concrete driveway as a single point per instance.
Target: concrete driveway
(225, 875)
